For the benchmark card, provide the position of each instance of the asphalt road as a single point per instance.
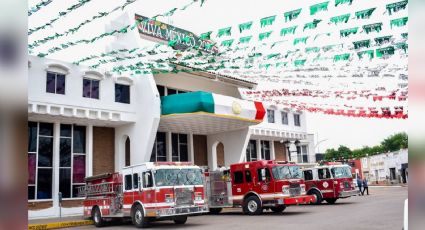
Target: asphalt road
(382, 209)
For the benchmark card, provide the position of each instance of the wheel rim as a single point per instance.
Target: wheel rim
(138, 216)
(252, 206)
(96, 216)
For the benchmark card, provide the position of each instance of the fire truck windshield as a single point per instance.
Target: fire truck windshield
(174, 177)
(341, 172)
(286, 172)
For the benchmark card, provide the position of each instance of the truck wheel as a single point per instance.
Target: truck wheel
(215, 211)
(278, 208)
(138, 217)
(319, 198)
(331, 200)
(180, 219)
(97, 217)
(252, 206)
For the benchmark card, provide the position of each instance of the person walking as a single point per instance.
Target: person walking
(360, 185)
(365, 187)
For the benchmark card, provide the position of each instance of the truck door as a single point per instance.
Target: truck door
(325, 183)
(238, 187)
(148, 190)
(264, 184)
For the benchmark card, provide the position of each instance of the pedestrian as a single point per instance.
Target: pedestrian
(360, 185)
(365, 187)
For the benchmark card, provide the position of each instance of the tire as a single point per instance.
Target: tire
(180, 219)
(97, 217)
(138, 218)
(331, 200)
(278, 209)
(215, 211)
(319, 198)
(252, 206)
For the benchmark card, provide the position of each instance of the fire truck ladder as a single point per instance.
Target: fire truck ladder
(101, 189)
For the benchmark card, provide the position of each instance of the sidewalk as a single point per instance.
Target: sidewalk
(54, 223)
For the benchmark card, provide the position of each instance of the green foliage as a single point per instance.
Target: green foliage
(395, 142)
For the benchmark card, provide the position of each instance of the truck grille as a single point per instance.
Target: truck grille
(183, 196)
(294, 189)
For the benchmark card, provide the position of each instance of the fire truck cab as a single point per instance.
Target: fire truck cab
(256, 186)
(144, 193)
(329, 182)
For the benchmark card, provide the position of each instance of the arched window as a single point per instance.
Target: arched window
(127, 152)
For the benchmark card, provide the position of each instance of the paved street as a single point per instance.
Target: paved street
(383, 209)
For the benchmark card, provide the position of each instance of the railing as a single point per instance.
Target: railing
(99, 189)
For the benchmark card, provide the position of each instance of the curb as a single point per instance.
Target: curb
(56, 225)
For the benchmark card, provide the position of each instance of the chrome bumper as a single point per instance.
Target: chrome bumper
(345, 194)
(181, 211)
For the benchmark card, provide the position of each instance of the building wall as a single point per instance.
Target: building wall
(280, 151)
(377, 168)
(103, 150)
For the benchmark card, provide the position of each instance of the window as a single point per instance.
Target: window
(238, 177)
(392, 174)
(270, 116)
(55, 83)
(90, 88)
(248, 177)
(128, 182)
(265, 150)
(285, 118)
(135, 180)
(72, 159)
(308, 175)
(304, 153)
(297, 120)
(159, 150)
(179, 147)
(263, 176)
(40, 160)
(251, 151)
(161, 90)
(122, 93)
(324, 174)
(147, 180)
(171, 91)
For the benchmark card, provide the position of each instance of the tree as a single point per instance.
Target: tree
(345, 152)
(338, 154)
(395, 142)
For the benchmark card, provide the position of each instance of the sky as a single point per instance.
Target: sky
(332, 131)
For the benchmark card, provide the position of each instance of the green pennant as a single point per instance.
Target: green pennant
(206, 35)
(281, 64)
(405, 35)
(347, 32)
(340, 19)
(318, 8)
(245, 26)
(266, 66)
(264, 35)
(289, 30)
(396, 6)
(383, 40)
(227, 43)
(291, 15)
(312, 49)
(224, 32)
(312, 25)
(300, 62)
(300, 40)
(342, 57)
(369, 53)
(267, 21)
(338, 2)
(399, 22)
(245, 39)
(270, 56)
(387, 51)
(402, 45)
(361, 44)
(365, 14)
(372, 27)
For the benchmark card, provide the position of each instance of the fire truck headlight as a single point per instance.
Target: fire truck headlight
(285, 189)
(198, 196)
(302, 186)
(169, 198)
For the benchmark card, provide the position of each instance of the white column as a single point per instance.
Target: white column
(258, 149)
(89, 153)
(56, 160)
(169, 146)
(272, 153)
(190, 147)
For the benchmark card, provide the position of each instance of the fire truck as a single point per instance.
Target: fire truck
(145, 193)
(329, 182)
(256, 186)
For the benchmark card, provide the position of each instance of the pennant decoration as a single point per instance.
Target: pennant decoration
(361, 44)
(403, 46)
(383, 40)
(341, 57)
(396, 6)
(312, 49)
(245, 26)
(224, 32)
(384, 52)
(291, 15)
(264, 35)
(369, 53)
(398, 22)
(372, 27)
(245, 39)
(267, 21)
(300, 40)
(318, 8)
(227, 43)
(340, 19)
(38, 6)
(299, 62)
(338, 2)
(206, 35)
(364, 14)
(289, 30)
(347, 32)
(312, 25)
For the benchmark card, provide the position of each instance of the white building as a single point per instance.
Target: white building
(84, 122)
(386, 168)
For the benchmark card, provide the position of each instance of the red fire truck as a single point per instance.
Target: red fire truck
(255, 186)
(329, 182)
(144, 193)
